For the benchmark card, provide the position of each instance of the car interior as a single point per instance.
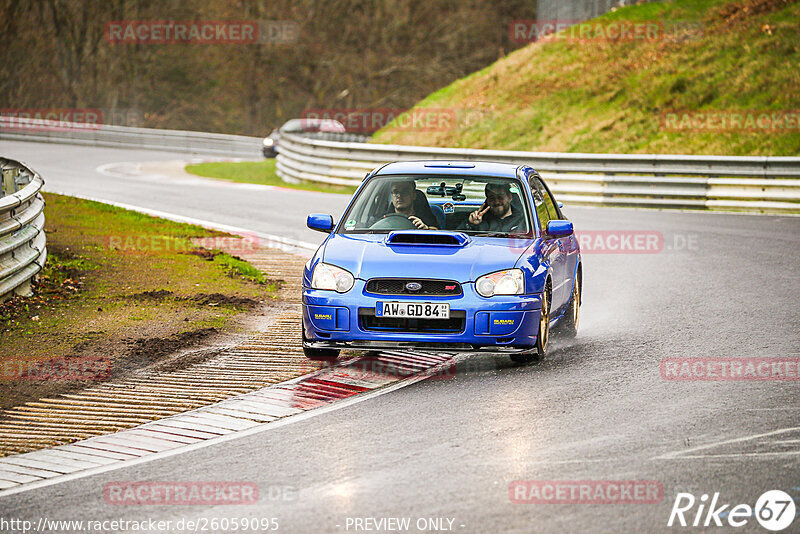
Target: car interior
(449, 201)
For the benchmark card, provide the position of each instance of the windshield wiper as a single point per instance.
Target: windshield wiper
(491, 233)
(487, 233)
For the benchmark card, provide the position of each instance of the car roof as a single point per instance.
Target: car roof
(312, 124)
(461, 168)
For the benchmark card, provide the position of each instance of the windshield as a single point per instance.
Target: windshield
(489, 206)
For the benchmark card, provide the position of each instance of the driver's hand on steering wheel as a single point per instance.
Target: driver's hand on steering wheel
(419, 224)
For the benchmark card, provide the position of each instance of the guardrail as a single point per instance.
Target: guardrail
(128, 137)
(23, 248)
(750, 183)
(43, 130)
(765, 184)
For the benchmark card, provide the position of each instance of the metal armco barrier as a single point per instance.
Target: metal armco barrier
(747, 183)
(49, 131)
(128, 137)
(744, 183)
(22, 238)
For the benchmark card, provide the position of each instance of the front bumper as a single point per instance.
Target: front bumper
(496, 324)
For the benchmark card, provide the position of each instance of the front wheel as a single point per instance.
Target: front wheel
(318, 355)
(321, 355)
(542, 336)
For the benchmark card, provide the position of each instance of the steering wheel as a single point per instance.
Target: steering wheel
(393, 221)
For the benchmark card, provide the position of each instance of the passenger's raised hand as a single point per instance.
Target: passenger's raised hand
(476, 217)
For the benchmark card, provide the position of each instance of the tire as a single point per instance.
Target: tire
(542, 336)
(525, 357)
(573, 314)
(321, 355)
(318, 355)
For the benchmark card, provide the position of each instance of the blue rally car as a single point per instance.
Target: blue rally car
(467, 256)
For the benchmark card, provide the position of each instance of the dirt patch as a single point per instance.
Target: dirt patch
(204, 253)
(216, 299)
(204, 299)
(733, 13)
(144, 351)
(154, 295)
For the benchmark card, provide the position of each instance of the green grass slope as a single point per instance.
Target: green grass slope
(610, 96)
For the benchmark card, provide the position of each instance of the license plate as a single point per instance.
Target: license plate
(414, 310)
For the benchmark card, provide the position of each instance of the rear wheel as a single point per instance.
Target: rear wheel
(318, 355)
(542, 336)
(571, 317)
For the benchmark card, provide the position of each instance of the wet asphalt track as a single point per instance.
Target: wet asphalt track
(596, 409)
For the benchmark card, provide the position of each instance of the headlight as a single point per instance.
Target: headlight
(510, 282)
(269, 141)
(332, 278)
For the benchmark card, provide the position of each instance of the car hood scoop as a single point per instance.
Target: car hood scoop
(427, 237)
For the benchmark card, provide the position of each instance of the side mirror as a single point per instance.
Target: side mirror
(560, 228)
(320, 223)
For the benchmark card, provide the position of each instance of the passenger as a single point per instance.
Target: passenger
(412, 203)
(496, 214)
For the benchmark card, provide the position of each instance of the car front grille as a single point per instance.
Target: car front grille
(397, 286)
(454, 325)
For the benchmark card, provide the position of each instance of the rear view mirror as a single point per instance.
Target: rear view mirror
(560, 228)
(320, 222)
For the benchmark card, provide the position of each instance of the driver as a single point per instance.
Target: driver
(496, 214)
(404, 197)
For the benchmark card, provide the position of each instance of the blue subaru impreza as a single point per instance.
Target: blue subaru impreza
(468, 256)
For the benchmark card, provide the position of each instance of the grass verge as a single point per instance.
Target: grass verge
(258, 172)
(124, 287)
(614, 96)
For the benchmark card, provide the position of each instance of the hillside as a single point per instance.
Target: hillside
(338, 54)
(602, 95)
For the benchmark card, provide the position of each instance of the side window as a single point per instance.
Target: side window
(552, 211)
(540, 206)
